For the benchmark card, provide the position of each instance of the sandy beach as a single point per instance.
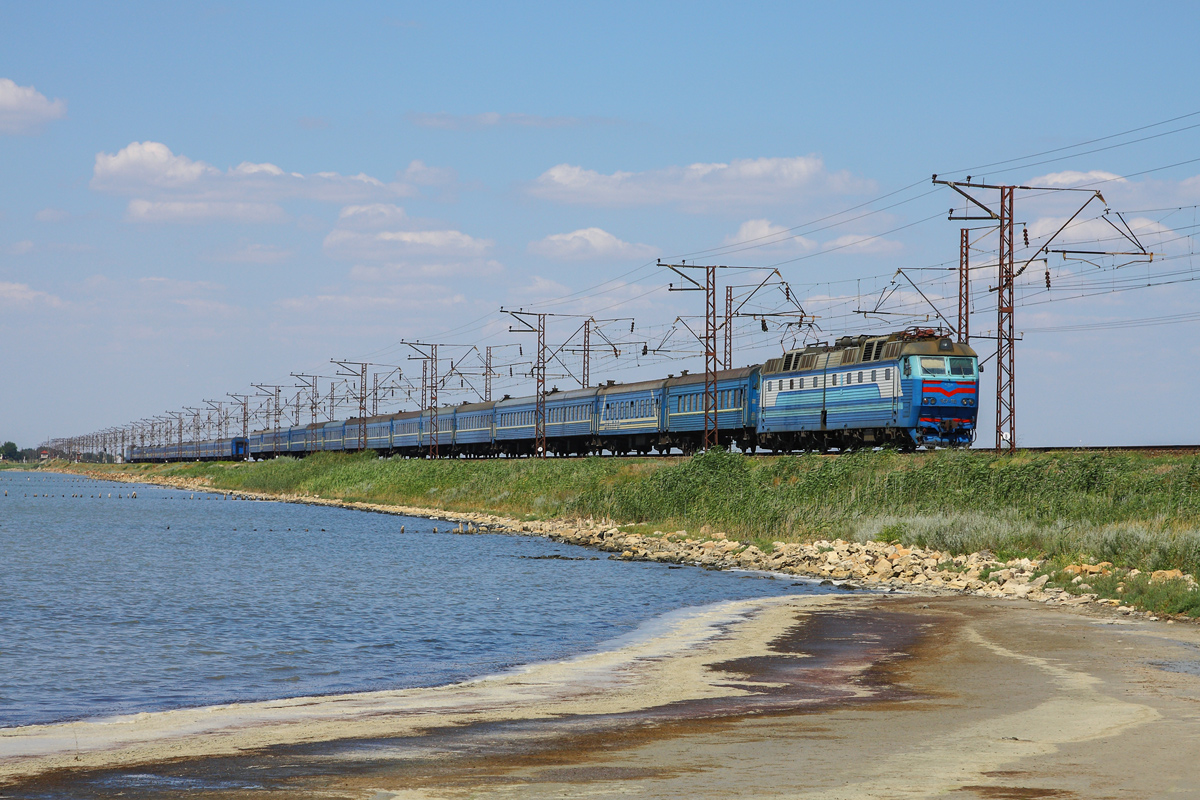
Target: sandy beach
(843, 697)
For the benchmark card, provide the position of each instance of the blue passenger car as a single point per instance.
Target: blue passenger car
(406, 432)
(736, 404)
(379, 434)
(333, 435)
(228, 449)
(473, 426)
(629, 416)
(445, 429)
(515, 425)
(570, 421)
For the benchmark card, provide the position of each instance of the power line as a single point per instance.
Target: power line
(1085, 144)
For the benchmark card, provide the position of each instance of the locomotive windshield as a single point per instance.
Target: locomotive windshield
(933, 365)
(962, 366)
(941, 366)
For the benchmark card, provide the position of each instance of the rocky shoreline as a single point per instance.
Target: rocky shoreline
(876, 566)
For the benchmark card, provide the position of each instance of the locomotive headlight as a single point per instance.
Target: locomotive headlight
(968, 401)
(929, 401)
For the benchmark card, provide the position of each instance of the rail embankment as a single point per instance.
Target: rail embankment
(1116, 528)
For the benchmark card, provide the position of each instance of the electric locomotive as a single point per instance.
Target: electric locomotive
(908, 389)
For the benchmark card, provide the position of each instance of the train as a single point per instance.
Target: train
(908, 389)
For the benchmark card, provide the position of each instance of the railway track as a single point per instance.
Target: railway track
(1131, 448)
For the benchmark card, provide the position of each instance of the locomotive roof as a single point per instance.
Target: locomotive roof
(866, 348)
(934, 348)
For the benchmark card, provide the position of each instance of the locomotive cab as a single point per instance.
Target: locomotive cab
(941, 381)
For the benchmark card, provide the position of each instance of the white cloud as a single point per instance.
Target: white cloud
(20, 294)
(589, 243)
(24, 109)
(861, 243)
(203, 211)
(20, 248)
(148, 164)
(391, 245)
(51, 215)
(175, 188)
(701, 187)
(383, 232)
(1074, 178)
(374, 215)
(493, 119)
(762, 233)
(433, 269)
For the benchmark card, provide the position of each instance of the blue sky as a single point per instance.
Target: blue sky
(198, 196)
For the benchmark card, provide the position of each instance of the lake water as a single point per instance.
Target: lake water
(114, 605)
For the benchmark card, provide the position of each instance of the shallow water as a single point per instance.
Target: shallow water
(113, 605)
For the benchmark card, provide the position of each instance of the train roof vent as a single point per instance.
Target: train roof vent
(945, 344)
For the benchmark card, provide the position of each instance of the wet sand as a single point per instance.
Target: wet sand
(864, 696)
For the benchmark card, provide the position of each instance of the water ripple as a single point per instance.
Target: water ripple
(116, 606)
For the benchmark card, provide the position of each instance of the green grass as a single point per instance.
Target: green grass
(1136, 510)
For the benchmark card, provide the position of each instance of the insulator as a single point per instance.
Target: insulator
(787, 292)
(510, 374)
(1025, 232)
(645, 350)
(764, 326)
(1047, 279)
(631, 326)
(520, 350)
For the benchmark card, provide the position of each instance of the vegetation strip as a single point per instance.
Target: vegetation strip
(1131, 518)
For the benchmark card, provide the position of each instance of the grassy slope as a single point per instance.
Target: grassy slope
(1136, 510)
